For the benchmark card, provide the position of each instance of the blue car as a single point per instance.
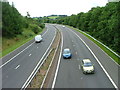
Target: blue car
(67, 53)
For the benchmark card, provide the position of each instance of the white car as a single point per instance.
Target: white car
(87, 66)
(38, 38)
(63, 26)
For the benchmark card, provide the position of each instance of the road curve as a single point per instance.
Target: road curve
(19, 68)
(70, 74)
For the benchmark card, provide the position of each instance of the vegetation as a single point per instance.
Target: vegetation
(50, 19)
(100, 22)
(100, 45)
(53, 17)
(16, 29)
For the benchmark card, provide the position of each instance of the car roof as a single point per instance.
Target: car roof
(86, 60)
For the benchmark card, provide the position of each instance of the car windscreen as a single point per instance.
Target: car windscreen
(87, 64)
(66, 51)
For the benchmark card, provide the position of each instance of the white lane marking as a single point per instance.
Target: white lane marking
(17, 66)
(30, 54)
(50, 65)
(79, 66)
(35, 71)
(37, 47)
(76, 53)
(97, 60)
(45, 33)
(15, 56)
(19, 53)
(55, 77)
(103, 45)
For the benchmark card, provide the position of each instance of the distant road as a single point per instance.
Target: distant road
(70, 75)
(18, 65)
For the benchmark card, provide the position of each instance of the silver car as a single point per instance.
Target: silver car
(87, 66)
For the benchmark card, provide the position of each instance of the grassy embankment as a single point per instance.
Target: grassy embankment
(112, 55)
(9, 45)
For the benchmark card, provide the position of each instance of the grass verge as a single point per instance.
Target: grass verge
(9, 45)
(112, 55)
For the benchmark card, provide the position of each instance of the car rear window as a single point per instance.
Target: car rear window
(87, 64)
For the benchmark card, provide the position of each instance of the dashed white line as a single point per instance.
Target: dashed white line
(19, 52)
(37, 47)
(30, 54)
(79, 66)
(76, 52)
(97, 60)
(17, 66)
(37, 67)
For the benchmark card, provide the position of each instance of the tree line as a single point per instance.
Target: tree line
(13, 23)
(103, 23)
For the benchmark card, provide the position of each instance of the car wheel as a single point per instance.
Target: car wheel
(93, 72)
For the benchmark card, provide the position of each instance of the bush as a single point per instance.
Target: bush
(35, 29)
(42, 25)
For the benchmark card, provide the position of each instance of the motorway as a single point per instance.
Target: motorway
(69, 74)
(16, 69)
(18, 65)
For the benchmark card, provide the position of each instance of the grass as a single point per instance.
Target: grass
(38, 79)
(9, 45)
(53, 17)
(112, 55)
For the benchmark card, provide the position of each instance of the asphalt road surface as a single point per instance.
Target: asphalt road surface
(70, 75)
(18, 69)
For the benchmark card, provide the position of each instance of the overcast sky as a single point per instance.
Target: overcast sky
(59, 7)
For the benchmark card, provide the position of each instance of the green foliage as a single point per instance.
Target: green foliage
(35, 29)
(12, 21)
(101, 22)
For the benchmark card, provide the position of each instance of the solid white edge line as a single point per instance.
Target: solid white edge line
(33, 72)
(49, 67)
(102, 44)
(105, 47)
(53, 84)
(97, 60)
(19, 52)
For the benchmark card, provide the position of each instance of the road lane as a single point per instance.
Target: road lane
(19, 50)
(107, 62)
(70, 75)
(27, 60)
